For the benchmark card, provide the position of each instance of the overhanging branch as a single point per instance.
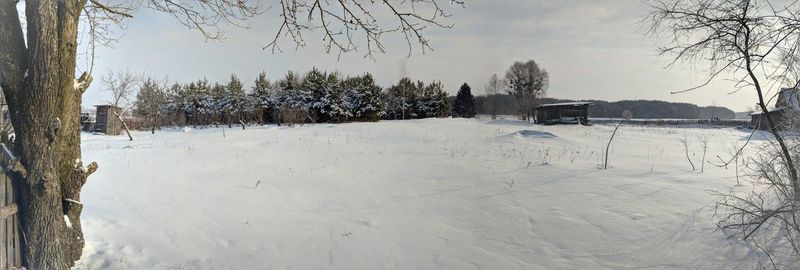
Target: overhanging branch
(112, 10)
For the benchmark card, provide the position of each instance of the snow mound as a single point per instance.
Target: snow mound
(533, 134)
(506, 122)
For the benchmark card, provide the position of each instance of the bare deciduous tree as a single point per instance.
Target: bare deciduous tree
(121, 85)
(527, 82)
(37, 76)
(756, 42)
(685, 141)
(495, 86)
(703, 138)
(626, 115)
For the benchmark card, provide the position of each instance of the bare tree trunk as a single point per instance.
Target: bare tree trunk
(50, 174)
(703, 161)
(736, 158)
(787, 156)
(608, 146)
(124, 125)
(686, 151)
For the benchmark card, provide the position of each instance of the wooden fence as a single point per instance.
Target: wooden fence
(10, 234)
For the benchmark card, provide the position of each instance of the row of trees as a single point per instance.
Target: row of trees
(315, 97)
(323, 97)
(504, 104)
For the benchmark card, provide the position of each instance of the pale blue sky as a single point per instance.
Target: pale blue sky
(592, 49)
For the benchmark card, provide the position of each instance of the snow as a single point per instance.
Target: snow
(415, 194)
(77, 85)
(66, 220)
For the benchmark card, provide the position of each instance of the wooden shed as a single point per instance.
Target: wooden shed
(786, 107)
(563, 113)
(760, 122)
(106, 121)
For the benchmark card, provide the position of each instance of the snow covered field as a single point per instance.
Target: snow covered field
(421, 194)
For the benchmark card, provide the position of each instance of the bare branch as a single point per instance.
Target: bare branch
(112, 10)
(343, 21)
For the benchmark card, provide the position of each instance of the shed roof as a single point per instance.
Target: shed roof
(106, 105)
(565, 104)
(770, 110)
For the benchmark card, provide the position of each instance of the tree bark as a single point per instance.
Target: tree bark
(44, 104)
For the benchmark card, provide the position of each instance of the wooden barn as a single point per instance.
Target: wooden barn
(106, 121)
(563, 113)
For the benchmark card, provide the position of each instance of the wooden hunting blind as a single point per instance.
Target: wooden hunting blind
(563, 113)
(107, 121)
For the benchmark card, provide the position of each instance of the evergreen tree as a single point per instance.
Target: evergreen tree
(313, 89)
(221, 103)
(200, 103)
(363, 99)
(464, 105)
(332, 106)
(261, 101)
(433, 101)
(149, 101)
(175, 100)
(292, 101)
(400, 99)
(234, 100)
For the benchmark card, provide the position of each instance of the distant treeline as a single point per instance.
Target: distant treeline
(645, 109)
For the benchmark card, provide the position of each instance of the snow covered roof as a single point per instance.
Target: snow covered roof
(770, 110)
(564, 104)
(788, 97)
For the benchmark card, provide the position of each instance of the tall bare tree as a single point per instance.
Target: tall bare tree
(494, 87)
(37, 76)
(756, 43)
(527, 82)
(121, 85)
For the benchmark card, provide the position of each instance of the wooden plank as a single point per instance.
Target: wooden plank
(17, 247)
(15, 228)
(9, 244)
(9, 223)
(3, 229)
